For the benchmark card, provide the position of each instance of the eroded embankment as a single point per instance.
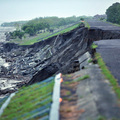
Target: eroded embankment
(57, 54)
(45, 58)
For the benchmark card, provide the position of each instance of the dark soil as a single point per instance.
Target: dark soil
(68, 108)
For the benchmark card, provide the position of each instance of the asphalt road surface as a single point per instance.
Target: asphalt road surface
(102, 25)
(110, 52)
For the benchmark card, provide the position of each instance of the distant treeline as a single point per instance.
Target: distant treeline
(33, 27)
(113, 13)
(52, 21)
(13, 24)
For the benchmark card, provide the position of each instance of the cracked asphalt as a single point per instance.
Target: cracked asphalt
(96, 96)
(109, 49)
(102, 25)
(110, 52)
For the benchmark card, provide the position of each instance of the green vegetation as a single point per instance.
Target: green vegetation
(33, 30)
(114, 24)
(65, 30)
(87, 25)
(82, 19)
(30, 28)
(55, 21)
(104, 118)
(113, 13)
(68, 93)
(16, 34)
(83, 78)
(68, 99)
(94, 46)
(13, 24)
(108, 74)
(34, 26)
(68, 75)
(101, 118)
(31, 40)
(90, 60)
(36, 39)
(27, 100)
(52, 21)
(77, 80)
(102, 19)
(111, 23)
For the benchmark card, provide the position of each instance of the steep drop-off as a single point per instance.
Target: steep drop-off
(57, 54)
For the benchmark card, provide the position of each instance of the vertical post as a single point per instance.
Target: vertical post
(54, 113)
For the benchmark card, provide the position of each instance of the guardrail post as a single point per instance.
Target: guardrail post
(54, 113)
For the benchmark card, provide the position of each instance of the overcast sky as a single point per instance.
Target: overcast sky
(14, 10)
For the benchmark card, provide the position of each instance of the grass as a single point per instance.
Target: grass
(94, 46)
(31, 40)
(68, 75)
(101, 118)
(83, 78)
(104, 118)
(45, 35)
(110, 23)
(64, 31)
(77, 80)
(113, 24)
(35, 39)
(108, 74)
(27, 100)
(68, 99)
(87, 25)
(68, 93)
(90, 60)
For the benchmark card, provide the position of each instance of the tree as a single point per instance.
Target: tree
(113, 13)
(30, 31)
(16, 33)
(33, 27)
(82, 19)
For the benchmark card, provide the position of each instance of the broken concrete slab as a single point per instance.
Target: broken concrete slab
(97, 97)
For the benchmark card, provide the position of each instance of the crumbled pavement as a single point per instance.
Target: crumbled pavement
(110, 52)
(94, 97)
(68, 107)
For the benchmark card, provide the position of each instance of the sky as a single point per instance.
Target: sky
(16, 10)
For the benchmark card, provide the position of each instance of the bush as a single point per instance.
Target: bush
(16, 34)
(113, 13)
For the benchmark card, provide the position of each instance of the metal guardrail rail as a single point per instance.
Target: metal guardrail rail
(6, 103)
(49, 102)
(54, 113)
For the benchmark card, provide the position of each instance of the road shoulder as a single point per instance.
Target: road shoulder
(94, 99)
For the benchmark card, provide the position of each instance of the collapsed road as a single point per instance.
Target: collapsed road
(109, 49)
(110, 52)
(34, 63)
(103, 25)
(41, 60)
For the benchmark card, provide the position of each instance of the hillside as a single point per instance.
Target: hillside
(66, 53)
